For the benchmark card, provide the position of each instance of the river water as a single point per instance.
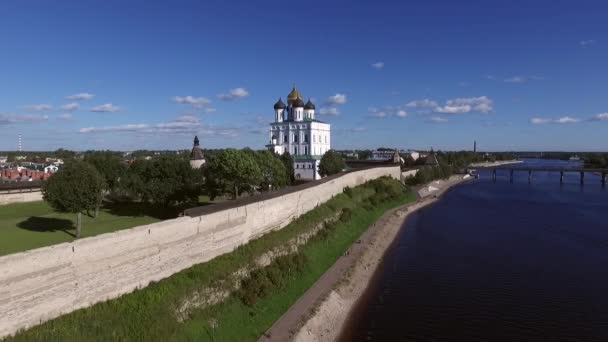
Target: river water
(496, 261)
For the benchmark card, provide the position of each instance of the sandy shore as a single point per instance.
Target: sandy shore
(320, 314)
(496, 163)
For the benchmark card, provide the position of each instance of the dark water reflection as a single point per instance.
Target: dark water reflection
(497, 261)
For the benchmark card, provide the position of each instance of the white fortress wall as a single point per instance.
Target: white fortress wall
(41, 284)
(18, 197)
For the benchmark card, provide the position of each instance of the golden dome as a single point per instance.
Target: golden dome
(294, 95)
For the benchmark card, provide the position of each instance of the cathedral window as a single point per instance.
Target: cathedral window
(305, 138)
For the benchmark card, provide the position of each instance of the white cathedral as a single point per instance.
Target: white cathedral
(295, 130)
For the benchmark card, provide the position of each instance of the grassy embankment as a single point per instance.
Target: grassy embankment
(150, 314)
(31, 225)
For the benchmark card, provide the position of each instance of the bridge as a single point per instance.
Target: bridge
(530, 170)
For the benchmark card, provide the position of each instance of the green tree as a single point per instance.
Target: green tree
(77, 187)
(167, 181)
(231, 172)
(272, 171)
(365, 154)
(108, 165)
(288, 163)
(64, 154)
(331, 163)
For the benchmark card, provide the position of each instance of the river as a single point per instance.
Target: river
(496, 261)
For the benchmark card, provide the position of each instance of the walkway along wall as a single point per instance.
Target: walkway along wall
(41, 284)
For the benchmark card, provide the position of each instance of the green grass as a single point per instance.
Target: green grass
(31, 225)
(149, 314)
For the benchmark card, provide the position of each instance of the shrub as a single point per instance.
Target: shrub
(261, 282)
(348, 191)
(346, 215)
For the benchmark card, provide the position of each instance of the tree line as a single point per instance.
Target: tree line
(168, 180)
(449, 163)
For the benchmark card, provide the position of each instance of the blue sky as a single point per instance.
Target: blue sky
(513, 75)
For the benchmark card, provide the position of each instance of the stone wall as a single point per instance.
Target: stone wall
(41, 284)
(408, 173)
(18, 197)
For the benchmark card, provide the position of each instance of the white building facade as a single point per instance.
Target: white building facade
(296, 130)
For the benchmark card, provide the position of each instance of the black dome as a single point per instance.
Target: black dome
(297, 103)
(279, 104)
(309, 105)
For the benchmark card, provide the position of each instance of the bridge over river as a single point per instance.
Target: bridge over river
(530, 169)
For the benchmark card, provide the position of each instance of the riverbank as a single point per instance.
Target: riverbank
(320, 314)
(236, 296)
(496, 163)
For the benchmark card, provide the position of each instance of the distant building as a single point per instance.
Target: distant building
(382, 154)
(352, 155)
(197, 159)
(296, 131)
(3, 159)
(413, 154)
(51, 169)
(54, 161)
(431, 160)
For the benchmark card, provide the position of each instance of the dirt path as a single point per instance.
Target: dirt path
(322, 311)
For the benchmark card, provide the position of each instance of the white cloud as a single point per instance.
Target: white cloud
(191, 100)
(38, 107)
(70, 107)
(516, 79)
(121, 128)
(188, 118)
(81, 96)
(540, 121)
(329, 111)
(482, 104)
(437, 119)
(426, 103)
(387, 111)
(378, 65)
(562, 120)
(566, 119)
(378, 113)
(458, 109)
(585, 43)
(234, 94)
(523, 79)
(186, 124)
(65, 116)
(600, 117)
(338, 99)
(6, 119)
(210, 110)
(105, 108)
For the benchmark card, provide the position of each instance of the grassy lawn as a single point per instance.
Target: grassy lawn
(31, 225)
(149, 314)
